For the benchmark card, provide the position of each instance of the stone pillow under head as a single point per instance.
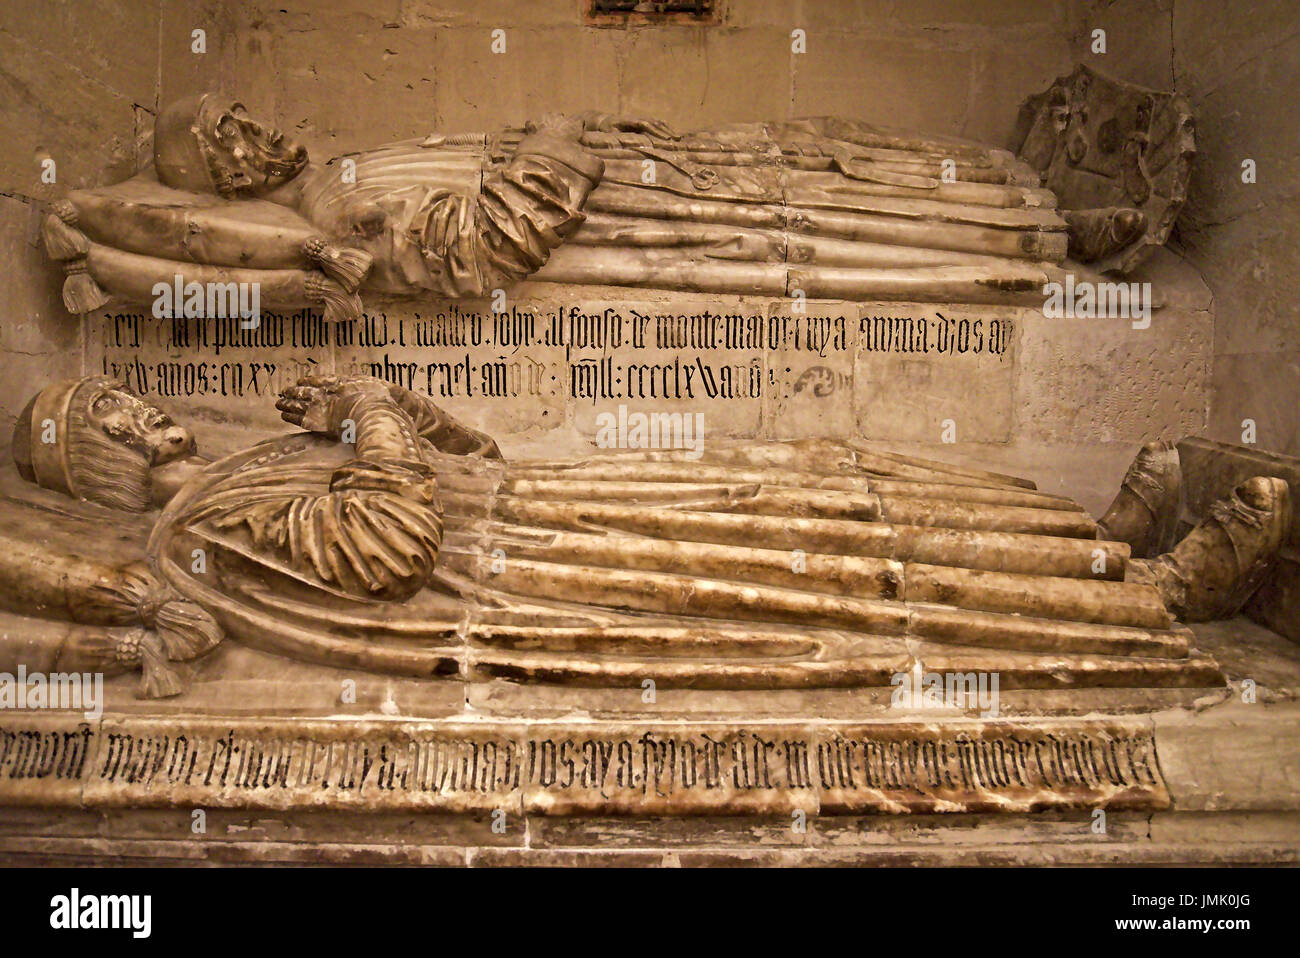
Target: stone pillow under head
(143, 216)
(119, 241)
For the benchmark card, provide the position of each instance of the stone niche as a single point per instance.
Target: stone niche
(1192, 759)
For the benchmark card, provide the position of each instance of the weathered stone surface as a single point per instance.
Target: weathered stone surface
(1086, 389)
(514, 769)
(1210, 469)
(945, 374)
(1236, 72)
(716, 73)
(1277, 602)
(54, 113)
(36, 339)
(1260, 388)
(811, 373)
(1066, 409)
(1259, 771)
(1105, 380)
(45, 758)
(99, 35)
(1226, 811)
(222, 371)
(1227, 769)
(880, 93)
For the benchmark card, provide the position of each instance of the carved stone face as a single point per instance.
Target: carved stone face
(252, 157)
(127, 419)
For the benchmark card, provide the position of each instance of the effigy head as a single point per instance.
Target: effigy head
(93, 439)
(209, 145)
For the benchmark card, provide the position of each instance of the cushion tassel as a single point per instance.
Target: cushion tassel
(68, 245)
(81, 294)
(348, 266)
(340, 305)
(159, 679)
(62, 241)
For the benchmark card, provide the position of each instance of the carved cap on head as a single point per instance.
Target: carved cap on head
(179, 157)
(45, 417)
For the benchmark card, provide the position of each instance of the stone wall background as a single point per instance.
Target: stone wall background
(79, 84)
(1239, 66)
(346, 74)
(81, 80)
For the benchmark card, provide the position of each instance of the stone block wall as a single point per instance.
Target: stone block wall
(352, 73)
(79, 87)
(1239, 66)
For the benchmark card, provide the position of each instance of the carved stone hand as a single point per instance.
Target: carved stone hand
(321, 403)
(609, 123)
(562, 125)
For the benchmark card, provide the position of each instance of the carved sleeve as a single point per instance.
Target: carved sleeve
(375, 532)
(385, 432)
(474, 244)
(389, 421)
(442, 430)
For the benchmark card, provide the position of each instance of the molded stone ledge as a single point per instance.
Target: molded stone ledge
(582, 768)
(1232, 771)
(61, 837)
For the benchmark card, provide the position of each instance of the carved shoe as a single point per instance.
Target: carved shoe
(1145, 510)
(1213, 571)
(1095, 234)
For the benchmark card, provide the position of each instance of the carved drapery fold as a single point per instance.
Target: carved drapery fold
(474, 244)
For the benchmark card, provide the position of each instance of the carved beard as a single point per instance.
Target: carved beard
(106, 471)
(263, 169)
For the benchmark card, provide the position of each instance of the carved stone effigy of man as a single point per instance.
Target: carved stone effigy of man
(417, 550)
(826, 207)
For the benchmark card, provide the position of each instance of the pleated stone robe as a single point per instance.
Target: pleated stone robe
(762, 209)
(772, 565)
(820, 209)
